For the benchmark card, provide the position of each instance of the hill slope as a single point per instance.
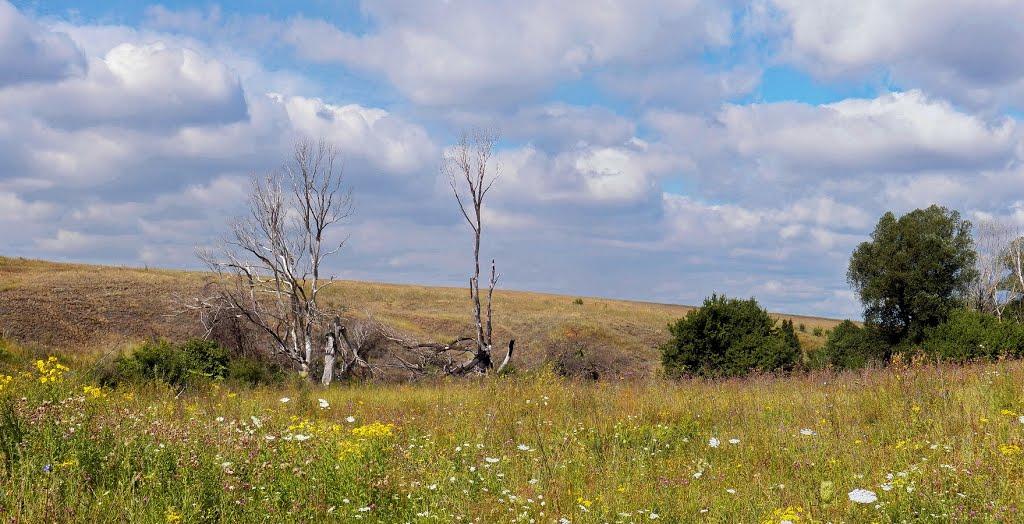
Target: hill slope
(75, 307)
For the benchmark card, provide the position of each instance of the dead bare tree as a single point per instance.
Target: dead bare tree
(470, 175)
(1015, 266)
(467, 166)
(268, 270)
(994, 244)
(348, 343)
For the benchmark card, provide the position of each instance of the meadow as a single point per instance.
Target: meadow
(923, 443)
(930, 444)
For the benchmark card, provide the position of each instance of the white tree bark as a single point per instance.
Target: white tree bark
(329, 359)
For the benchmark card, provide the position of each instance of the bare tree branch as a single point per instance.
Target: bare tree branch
(268, 270)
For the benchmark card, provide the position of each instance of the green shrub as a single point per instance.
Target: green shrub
(729, 337)
(850, 346)
(819, 332)
(803, 328)
(253, 372)
(175, 364)
(578, 301)
(206, 357)
(969, 335)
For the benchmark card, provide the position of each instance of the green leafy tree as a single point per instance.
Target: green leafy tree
(729, 337)
(913, 272)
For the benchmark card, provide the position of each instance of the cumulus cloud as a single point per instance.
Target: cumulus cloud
(30, 53)
(968, 50)
(149, 85)
(384, 139)
(614, 175)
(896, 131)
(456, 52)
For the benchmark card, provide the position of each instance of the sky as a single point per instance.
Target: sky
(656, 150)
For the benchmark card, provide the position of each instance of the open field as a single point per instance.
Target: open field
(74, 307)
(935, 444)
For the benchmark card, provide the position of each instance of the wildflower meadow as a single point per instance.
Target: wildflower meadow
(928, 444)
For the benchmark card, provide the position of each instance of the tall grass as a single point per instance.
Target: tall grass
(934, 444)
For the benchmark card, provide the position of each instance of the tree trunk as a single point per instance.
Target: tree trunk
(329, 357)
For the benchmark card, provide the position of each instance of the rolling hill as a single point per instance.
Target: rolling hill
(82, 308)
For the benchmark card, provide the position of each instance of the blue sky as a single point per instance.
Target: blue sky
(651, 149)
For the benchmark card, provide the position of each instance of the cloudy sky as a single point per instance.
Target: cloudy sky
(651, 149)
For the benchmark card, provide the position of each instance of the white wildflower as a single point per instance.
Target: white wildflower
(863, 496)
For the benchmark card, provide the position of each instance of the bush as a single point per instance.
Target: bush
(206, 357)
(729, 337)
(253, 372)
(591, 352)
(969, 335)
(850, 346)
(175, 364)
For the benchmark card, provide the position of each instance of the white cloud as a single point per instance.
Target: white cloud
(67, 241)
(613, 175)
(384, 139)
(149, 85)
(460, 51)
(895, 132)
(30, 53)
(15, 209)
(968, 50)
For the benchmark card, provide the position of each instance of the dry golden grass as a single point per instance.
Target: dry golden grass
(77, 307)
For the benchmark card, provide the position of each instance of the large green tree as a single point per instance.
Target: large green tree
(914, 271)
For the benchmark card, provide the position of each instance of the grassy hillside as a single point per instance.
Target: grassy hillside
(75, 307)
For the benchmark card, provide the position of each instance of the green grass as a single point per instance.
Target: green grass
(529, 448)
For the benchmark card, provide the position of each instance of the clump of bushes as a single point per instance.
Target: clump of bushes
(193, 361)
(591, 352)
(729, 337)
(969, 335)
(254, 372)
(850, 346)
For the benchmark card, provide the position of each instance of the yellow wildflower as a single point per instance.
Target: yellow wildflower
(373, 430)
(1010, 450)
(789, 514)
(50, 370)
(347, 448)
(93, 392)
(172, 515)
